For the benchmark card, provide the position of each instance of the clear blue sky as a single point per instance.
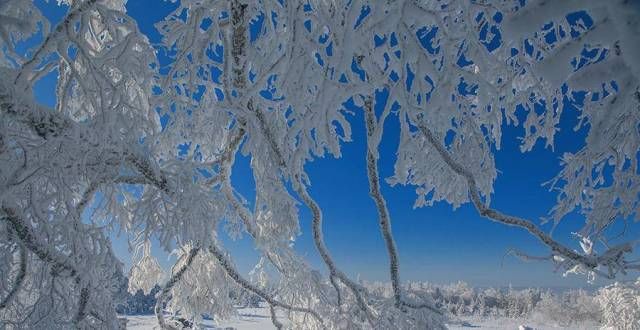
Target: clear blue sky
(435, 244)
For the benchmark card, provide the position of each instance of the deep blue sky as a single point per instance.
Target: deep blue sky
(436, 244)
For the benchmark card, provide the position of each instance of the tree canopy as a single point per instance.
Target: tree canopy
(269, 79)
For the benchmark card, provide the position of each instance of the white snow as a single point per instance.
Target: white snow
(247, 319)
(259, 319)
(467, 323)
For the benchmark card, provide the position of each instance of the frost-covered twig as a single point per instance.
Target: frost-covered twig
(381, 205)
(316, 211)
(50, 39)
(23, 232)
(318, 240)
(226, 161)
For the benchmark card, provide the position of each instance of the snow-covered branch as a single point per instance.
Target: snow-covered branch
(384, 219)
(144, 137)
(612, 258)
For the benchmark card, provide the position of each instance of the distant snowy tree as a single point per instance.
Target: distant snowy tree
(620, 305)
(271, 80)
(569, 308)
(146, 272)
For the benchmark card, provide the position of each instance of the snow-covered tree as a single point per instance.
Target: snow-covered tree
(620, 305)
(569, 308)
(270, 79)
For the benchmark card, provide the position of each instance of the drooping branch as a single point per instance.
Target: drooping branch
(19, 280)
(274, 318)
(46, 124)
(609, 257)
(170, 284)
(82, 305)
(238, 52)
(23, 232)
(58, 263)
(318, 237)
(226, 264)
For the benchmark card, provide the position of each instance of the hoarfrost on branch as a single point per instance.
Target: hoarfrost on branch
(271, 80)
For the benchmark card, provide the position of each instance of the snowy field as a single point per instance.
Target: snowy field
(247, 319)
(259, 319)
(503, 323)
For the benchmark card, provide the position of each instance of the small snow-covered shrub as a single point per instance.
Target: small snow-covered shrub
(620, 304)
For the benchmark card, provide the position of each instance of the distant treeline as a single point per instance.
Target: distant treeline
(614, 306)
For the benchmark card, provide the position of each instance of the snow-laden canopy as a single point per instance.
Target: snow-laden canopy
(270, 79)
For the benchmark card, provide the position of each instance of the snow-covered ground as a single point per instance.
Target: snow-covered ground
(259, 319)
(247, 319)
(503, 323)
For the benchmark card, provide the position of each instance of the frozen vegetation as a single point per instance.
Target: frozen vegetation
(612, 307)
(143, 137)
